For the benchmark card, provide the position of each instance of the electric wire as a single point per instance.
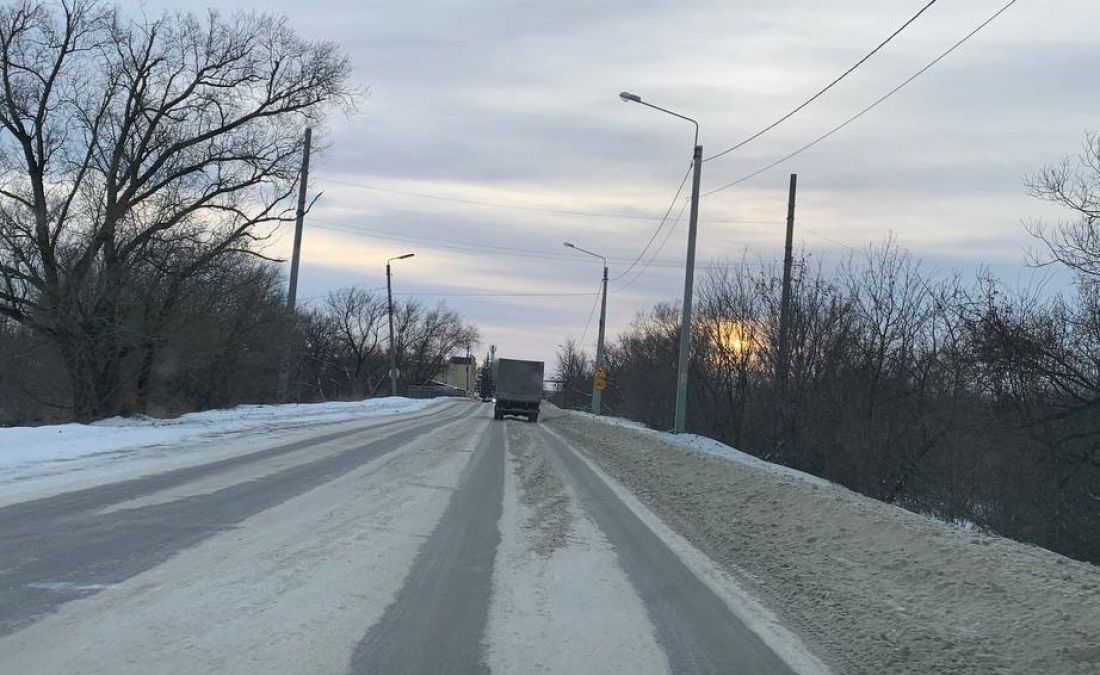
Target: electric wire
(490, 294)
(657, 252)
(472, 249)
(869, 108)
(522, 207)
(830, 239)
(591, 313)
(660, 225)
(827, 87)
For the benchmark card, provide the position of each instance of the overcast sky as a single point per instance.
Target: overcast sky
(516, 103)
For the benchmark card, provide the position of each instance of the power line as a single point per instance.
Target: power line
(590, 315)
(827, 87)
(490, 294)
(830, 239)
(523, 207)
(871, 107)
(468, 248)
(664, 241)
(660, 225)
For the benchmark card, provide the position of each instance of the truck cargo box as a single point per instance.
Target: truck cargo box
(518, 388)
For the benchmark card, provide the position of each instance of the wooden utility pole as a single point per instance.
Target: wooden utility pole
(292, 291)
(783, 361)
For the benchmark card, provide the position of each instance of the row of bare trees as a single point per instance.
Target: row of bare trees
(143, 163)
(343, 346)
(225, 342)
(968, 401)
(139, 159)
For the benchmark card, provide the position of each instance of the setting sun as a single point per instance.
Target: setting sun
(738, 338)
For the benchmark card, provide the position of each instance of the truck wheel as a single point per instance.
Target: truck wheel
(497, 415)
(533, 418)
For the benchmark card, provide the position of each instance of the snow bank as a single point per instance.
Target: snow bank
(716, 448)
(871, 587)
(20, 446)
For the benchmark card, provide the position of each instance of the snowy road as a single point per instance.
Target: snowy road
(441, 542)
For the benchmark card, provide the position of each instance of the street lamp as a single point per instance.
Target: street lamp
(689, 274)
(597, 392)
(389, 310)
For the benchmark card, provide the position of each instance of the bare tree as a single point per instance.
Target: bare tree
(359, 318)
(119, 138)
(573, 371)
(427, 338)
(1073, 183)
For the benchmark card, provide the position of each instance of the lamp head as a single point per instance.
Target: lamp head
(626, 96)
(569, 244)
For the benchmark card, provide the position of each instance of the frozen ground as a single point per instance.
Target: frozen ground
(43, 461)
(874, 588)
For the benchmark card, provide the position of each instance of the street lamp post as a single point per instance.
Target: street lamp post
(680, 419)
(597, 391)
(389, 310)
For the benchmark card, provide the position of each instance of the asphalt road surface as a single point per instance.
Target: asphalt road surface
(441, 542)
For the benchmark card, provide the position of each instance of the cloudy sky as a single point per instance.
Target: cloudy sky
(492, 132)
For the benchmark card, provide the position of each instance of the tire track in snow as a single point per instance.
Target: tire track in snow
(698, 632)
(561, 602)
(436, 623)
(60, 543)
(287, 591)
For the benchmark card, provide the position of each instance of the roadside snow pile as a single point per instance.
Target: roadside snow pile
(716, 448)
(27, 445)
(871, 588)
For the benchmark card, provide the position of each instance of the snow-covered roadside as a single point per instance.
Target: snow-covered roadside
(38, 462)
(25, 445)
(875, 588)
(713, 447)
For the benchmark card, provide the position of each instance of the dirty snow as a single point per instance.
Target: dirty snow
(871, 587)
(561, 602)
(744, 606)
(292, 589)
(713, 447)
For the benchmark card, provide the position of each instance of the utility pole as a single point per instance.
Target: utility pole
(597, 387)
(599, 380)
(389, 310)
(393, 347)
(292, 292)
(680, 421)
(783, 362)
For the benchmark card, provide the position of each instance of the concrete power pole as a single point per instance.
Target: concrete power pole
(597, 391)
(679, 423)
(292, 292)
(783, 361)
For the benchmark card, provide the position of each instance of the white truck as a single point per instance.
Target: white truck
(518, 389)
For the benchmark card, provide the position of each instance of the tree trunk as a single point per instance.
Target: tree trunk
(149, 353)
(95, 377)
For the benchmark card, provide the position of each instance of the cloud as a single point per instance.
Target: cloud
(501, 101)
